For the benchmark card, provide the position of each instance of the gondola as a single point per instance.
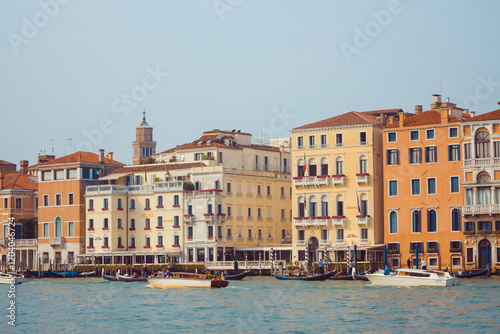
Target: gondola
(41, 274)
(70, 274)
(484, 272)
(111, 278)
(237, 277)
(360, 277)
(86, 274)
(131, 279)
(341, 278)
(320, 277)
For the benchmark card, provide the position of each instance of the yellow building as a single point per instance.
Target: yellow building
(337, 197)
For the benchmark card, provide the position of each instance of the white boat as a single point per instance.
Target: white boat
(15, 278)
(414, 277)
(187, 280)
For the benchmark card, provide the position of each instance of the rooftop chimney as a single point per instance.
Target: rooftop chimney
(101, 156)
(447, 100)
(444, 116)
(110, 155)
(401, 119)
(436, 98)
(472, 113)
(418, 109)
(24, 167)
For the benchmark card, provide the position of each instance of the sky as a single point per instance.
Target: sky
(86, 70)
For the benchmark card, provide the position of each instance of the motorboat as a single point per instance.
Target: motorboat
(414, 277)
(11, 278)
(320, 277)
(186, 280)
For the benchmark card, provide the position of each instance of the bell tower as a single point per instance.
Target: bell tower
(144, 147)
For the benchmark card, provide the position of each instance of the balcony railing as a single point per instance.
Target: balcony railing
(208, 217)
(338, 221)
(221, 217)
(57, 241)
(362, 178)
(311, 221)
(480, 209)
(364, 241)
(482, 161)
(311, 180)
(168, 186)
(301, 242)
(339, 242)
(338, 179)
(324, 242)
(362, 220)
(203, 193)
(188, 219)
(4, 242)
(105, 190)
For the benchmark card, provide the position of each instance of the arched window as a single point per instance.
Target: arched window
(132, 241)
(301, 168)
(324, 206)
(456, 220)
(416, 221)
(120, 242)
(324, 166)
(431, 220)
(482, 141)
(91, 240)
(393, 222)
(209, 206)
(58, 227)
(363, 204)
(339, 166)
(313, 206)
(147, 241)
(312, 167)
(483, 193)
(160, 239)
(176, 239)
(176, 199)
(363, 164)
(301, 206)
(339, 205)
(105, 241)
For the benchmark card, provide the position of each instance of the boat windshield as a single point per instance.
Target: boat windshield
(413, 274)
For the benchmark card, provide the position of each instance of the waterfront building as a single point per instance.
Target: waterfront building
(144, 147)
(481, 209)
(240, 204)
(61, 203)
(423, 186)
(337, 196)
(18, 203)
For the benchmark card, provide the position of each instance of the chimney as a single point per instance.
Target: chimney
(24, 167)
(436, 98)
(444, 116)
(401, 119)
(418, 109)
(472, 113)
(110, 155)
(1, 180)
(447, 100)
(101, 155)
(391, 119)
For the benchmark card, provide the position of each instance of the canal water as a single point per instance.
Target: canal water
(254, 305)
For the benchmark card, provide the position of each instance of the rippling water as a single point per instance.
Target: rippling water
(257, 305)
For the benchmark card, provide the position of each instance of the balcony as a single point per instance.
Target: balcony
(57, 242)
(311, 181)
(311, 221)
(481, 162)
(364, 241)
(189, 219)
(203, 193)
(324, 242)
(4, 242)
(221, 217)
(301, 242)
(362, 178)
(339, 242)
(106, 190)
(480, 209)
(172, 186)
(338, 179)
(338, 221)
(208, 217)
(363, 220)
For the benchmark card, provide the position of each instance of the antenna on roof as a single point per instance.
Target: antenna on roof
(52, 144)
(70, 145)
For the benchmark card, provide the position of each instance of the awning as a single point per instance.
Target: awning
(114, 176)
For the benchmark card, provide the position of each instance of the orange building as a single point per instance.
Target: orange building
(61, 188)
(422, 187)
(481, 210)
(18, 196)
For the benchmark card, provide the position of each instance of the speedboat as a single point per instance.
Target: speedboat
(414, 277)
(11, 278)
(186, 280)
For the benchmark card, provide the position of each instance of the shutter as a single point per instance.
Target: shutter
(449, 152)
(428, 220)
(397, 157)
(419, 155)
(458, 151)
(387, 157)
(410, 156)
(436, 153)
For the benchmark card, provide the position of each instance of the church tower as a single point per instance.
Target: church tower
(144, 147)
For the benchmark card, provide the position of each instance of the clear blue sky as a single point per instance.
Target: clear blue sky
(67, 70)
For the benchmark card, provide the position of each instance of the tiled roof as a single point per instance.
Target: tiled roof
(383, 111)
(424, 118)
(350, 118)
(3, 162)
(489, 116)
(19, 181)
(79, 157)
(158, 167)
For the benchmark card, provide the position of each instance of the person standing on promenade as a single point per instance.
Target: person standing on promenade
(320, 265)
(409, 263)
(423, 264)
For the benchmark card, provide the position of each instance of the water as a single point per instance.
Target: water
(257, 305)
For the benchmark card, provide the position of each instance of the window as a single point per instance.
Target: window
(415, 155)
(58, 199)
(393, 187)
(283, 214)
(362, 138)
(363, 234)
(220, 157)
(431, 186)
(482, 141)
(132, 204)
(391, 137)
(160, 239)
(470, 254)
(91, 223)
(147, 242)
(414, 135)
(453, 132)
(340, 206)
(45, 230)
(147, 223)
(147, 204)
(324, 234)
(250, 213)
(300, 143)
(469, 226)
(431, 220)
(257, 162)
(339, 166)
(159, 201)
(455, 184)
(216, 185)
(324, 141)
(266, 163)
(132, 241)
(59, 175)
(229, 233)
(415, 186)
(393, 222)
(72, 173)
(228, 188)
(138, 180)
(301, 206)
(431, 154)
(301, 235)
(176, 220)
(249, 234)
(416, 221)
(91, 240)
(19, 203)
(159, 222)
(105, 223)
(176, 239)
(268, 191)
(324, 166)
(392, 157)
(71, 198)
(312, 141)
(429, 134)
(455, 246)
(132, 224)
(120, 243)
(210, 231)
(46, 201)
(340, 234)
(324, 206)
(6, 203)
(198, 156)
(432, 247)
(190, 232)
(58, 227)
(393, 248)
(415, 245)
(259, 190)
(312, 206)
(229, 212)
(105, 241)
(120, 205)
(338, 139)
(455, 220)
(454, 152)
(363, 165)
(47, 175)
(120, 224)
(105, 203)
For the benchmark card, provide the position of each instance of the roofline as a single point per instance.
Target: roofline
(326, 128)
